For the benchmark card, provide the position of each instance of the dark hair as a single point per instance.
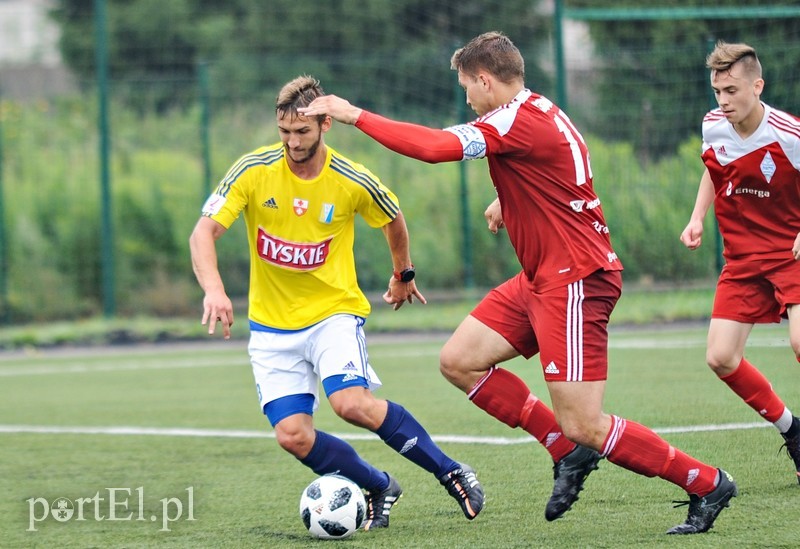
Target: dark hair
(493, 52)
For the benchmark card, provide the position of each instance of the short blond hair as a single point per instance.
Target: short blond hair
(297, 93)
(725, 56)
(493, 52)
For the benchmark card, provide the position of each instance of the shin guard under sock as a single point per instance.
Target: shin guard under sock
(505, 396)
(333, 455)
(406, 436)
(639, 449)
(756, 390)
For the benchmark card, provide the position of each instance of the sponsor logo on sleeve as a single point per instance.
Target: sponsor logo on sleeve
(543, 104)
(214, 204)
(472, 141)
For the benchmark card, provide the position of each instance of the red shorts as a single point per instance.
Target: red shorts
(567, 326)
(757, 292)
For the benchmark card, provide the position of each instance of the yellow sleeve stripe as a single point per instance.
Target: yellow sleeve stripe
(264, 158)
(373, 187)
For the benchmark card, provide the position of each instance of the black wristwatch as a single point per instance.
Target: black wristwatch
(406, 275)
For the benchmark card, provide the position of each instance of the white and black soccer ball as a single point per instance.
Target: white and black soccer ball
(332, 507)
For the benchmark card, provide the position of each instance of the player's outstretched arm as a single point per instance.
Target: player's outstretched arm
(412, 140)
(337, 108)
(217, 306)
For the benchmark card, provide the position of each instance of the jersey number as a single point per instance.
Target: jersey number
(581, 162)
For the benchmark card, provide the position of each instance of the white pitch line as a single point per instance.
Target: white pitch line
(119, 366)
(234, 433)
(691, 342)
(73, 366)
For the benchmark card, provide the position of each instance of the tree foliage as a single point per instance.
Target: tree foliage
(644, 64)
(379, 53)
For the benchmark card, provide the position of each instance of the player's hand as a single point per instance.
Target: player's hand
(337, 108)
(796, 247)
(402, 292)
(692, 235)
(494, 216)
(218, 308)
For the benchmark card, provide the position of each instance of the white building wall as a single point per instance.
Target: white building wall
(30, 62)
(27, 35)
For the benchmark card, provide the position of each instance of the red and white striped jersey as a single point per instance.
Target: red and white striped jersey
(539, 164)
(756, 184)
(540, 167)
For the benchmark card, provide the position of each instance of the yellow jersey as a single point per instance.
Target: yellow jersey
(301, 233)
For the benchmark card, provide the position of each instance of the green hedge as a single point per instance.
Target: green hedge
(52, 209)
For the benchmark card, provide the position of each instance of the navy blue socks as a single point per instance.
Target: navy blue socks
(333, 455)
(405, 435)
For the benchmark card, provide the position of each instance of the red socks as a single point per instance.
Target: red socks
(638, 449)
(751, 385)
(505, 396)
(631, 445)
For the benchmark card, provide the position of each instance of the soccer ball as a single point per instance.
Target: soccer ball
(332, 507)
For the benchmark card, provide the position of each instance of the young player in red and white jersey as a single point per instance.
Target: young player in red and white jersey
(752, 157)
(299, 199)
(560, 304)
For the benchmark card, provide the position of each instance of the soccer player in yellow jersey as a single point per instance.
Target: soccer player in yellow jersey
(299, 199)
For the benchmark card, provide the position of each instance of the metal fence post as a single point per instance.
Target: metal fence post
(205, 123)
(561, 73)
(712, 102)
(5, 307)
(107, 232)
(466, 222)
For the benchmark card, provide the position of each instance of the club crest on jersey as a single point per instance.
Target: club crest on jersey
(768, 167)
(300, 206)
(326, 214)
(301, 256)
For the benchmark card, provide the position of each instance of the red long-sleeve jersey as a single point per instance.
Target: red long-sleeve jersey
(539, 165)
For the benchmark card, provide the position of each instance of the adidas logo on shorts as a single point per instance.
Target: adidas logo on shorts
(552, 369)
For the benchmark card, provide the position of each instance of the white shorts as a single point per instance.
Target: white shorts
(294, 363)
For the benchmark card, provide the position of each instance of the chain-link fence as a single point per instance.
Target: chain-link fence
(177, 121)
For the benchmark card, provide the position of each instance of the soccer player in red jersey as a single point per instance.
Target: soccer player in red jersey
(752, 157)
(559, 304)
